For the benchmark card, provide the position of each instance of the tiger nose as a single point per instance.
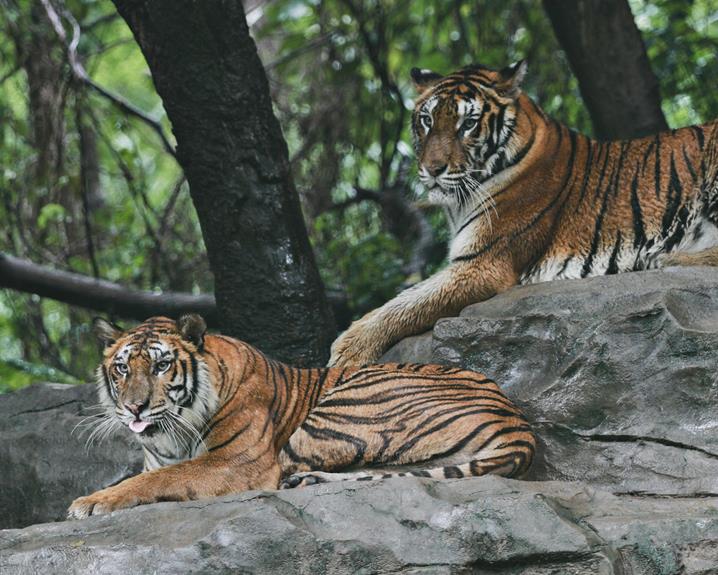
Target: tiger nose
(436, 170)
(135, 408)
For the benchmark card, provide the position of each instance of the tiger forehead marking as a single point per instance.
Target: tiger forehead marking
(152, 350)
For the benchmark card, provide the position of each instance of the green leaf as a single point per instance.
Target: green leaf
(50, 213)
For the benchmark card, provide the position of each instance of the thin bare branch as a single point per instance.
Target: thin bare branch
(308, 47)
(81, 75)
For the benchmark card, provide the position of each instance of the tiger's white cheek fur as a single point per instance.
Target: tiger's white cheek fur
(165, 448)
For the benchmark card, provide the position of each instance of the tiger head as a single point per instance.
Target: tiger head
(463, 128)
(152, 378)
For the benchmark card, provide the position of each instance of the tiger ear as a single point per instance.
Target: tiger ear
(192, 327)
(424, 79)
(510, 79)
(105, 331)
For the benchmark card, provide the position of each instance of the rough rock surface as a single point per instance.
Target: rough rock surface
(44, 461)
(618, 375)
(481, 525)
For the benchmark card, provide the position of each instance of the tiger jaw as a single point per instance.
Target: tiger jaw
(441, 189)
(452, 191)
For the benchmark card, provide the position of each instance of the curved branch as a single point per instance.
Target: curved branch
(114, 299)
(100, 295)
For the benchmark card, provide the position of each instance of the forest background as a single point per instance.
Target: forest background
(92, 179)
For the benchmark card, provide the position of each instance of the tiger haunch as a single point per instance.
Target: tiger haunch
(215, 416)
(530, 200)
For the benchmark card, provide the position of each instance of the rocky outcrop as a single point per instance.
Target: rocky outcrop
(44, 457)
(617, 374)
(484, 525)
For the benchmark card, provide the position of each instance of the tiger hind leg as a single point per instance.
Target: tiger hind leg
(507, 465)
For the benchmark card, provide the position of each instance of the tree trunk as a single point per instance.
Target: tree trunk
(207, 71)
(607, 55)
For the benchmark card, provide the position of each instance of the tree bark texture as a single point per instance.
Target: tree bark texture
(607, 55)
(206, 69)
(119, 301)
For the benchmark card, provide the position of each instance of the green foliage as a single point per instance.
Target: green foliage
(143, 228)
(367, 266)
(682, 42)
(339, 74)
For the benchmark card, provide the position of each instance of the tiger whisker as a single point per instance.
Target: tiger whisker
(188, 431)
(192, 429)
(101, 432)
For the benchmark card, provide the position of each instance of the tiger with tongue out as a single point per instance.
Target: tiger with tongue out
(216, 416)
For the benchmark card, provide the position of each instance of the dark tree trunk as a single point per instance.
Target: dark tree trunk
(45, 78)
(207, 71)
(607, 55)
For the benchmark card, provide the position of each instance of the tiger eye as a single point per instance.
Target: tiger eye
(162, 366)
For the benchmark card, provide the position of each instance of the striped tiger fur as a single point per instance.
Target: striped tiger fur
(530, 200)
(216, 416)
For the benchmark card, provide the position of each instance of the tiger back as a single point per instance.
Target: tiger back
(216, 416)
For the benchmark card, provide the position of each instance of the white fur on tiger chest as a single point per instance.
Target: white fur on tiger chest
(468, 230)
(561, 268)
(465, 241)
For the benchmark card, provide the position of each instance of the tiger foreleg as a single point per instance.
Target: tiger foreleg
(202, 477)
(416, 309)
(707, 257)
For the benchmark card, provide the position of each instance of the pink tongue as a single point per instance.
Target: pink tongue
(139, 426)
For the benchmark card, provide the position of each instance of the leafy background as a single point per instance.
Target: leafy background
(73, 166)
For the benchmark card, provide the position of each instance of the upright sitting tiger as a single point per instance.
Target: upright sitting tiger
(529, 200)
(215, 416)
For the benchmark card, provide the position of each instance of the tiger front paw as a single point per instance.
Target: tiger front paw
(363, 343)
(101, 502)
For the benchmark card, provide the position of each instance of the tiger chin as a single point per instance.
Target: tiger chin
(530, 200)
(215, 416)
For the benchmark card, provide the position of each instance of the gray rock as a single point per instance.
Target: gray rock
(478, 525)
(617, 373)
(44, 460)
